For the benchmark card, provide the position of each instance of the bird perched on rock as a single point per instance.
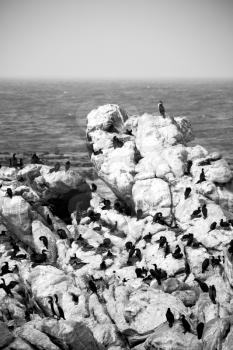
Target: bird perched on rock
(103, 265)
(196, 213)
(156, 274)
(44, 240)
(200, 328)
(147, 238)
(107, 204)
(5, 269)
(215, 261)
(204, 287)
(49, 221)
(92, 286)
(224, 224)
(161, 109)
(128, 246)
(230, 222)
(138, 254)
(62, 233)
(158, 218)
(204, 211)
(212, 293)
(187, 192)
(170, 317)
(177, 253)
(38, 258)
(9, 192)
(93, 187)
(202, 177)
(67, 165)
(75, 298)
(166, 249)
(187, 270)
(7, 288)
(138, 272)
(60, 310)
(162, 241)
(185, 324)
(116, 142)
(205, 265)
(213, 226)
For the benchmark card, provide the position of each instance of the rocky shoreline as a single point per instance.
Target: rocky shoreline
(147, 265)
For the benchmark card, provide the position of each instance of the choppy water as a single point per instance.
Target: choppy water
(48, 117)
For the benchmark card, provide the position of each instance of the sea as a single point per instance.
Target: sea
(48, 117)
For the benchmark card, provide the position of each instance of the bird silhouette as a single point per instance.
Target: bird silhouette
(213, 226)
(44, 240)
(187, 192)
(200, 328)
(170, 317)
(9, 192)
(204, 211)
(202, 285)
(212, 293)
(7, 288)
(185, 324)
(205, 264)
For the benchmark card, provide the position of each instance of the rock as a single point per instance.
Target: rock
(6, 336)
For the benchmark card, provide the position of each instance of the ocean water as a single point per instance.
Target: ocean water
(49, 117)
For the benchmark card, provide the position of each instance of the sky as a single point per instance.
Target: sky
(116, 39)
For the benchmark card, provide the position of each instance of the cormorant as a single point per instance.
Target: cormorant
(200, 328)
(93, 187)
(187, 192)
(224, 224)
(185, 324)
(44, 240)
(202, 177)
(212, 293)
(196, 213)
(204, 211)
(7, 288)
(204, 287)
(9, 192)
(213, 226)
(205, 264)
(161, 109)
(67, 165)
(147, 238)
(170, 317)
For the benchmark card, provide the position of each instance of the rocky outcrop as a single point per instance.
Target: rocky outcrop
(80, 271)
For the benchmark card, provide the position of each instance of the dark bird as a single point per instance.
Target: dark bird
(187, 192)
(109, 254)
(96, 153)
(128, 246)
(103, 265)
(62, 233)
(205, 264)
(107, 204)
(213, 226)
(139, 214)
(60, 310)
(107, 242)
(204, 211)
(166, 249)
(67, 165)
(131, 252)
(38, 258)
(49, 221)
(138, 272)
(44, 240)
(186, 236)
(187, 270)
(75, 298)
(202, 177)
(93, 187)
(224, 224)
(138, 254)
(5, 269)
(9, 287)
(215, 261)
(188, 167)
(230, 222)
(200, 328)
(202, 285)
(170, 317)
(177, 253)
(158, 218)
(118, 207)
(92, 286)
(147, 238)
(196, 213)
(116, 142)
(212, 293)
(156, 274)
(50, 301)
(185, 324)
(190, 241)
(9, 192)
(161, 109)
(162, 241)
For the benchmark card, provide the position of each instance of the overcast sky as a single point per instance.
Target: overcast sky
(116, 38)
